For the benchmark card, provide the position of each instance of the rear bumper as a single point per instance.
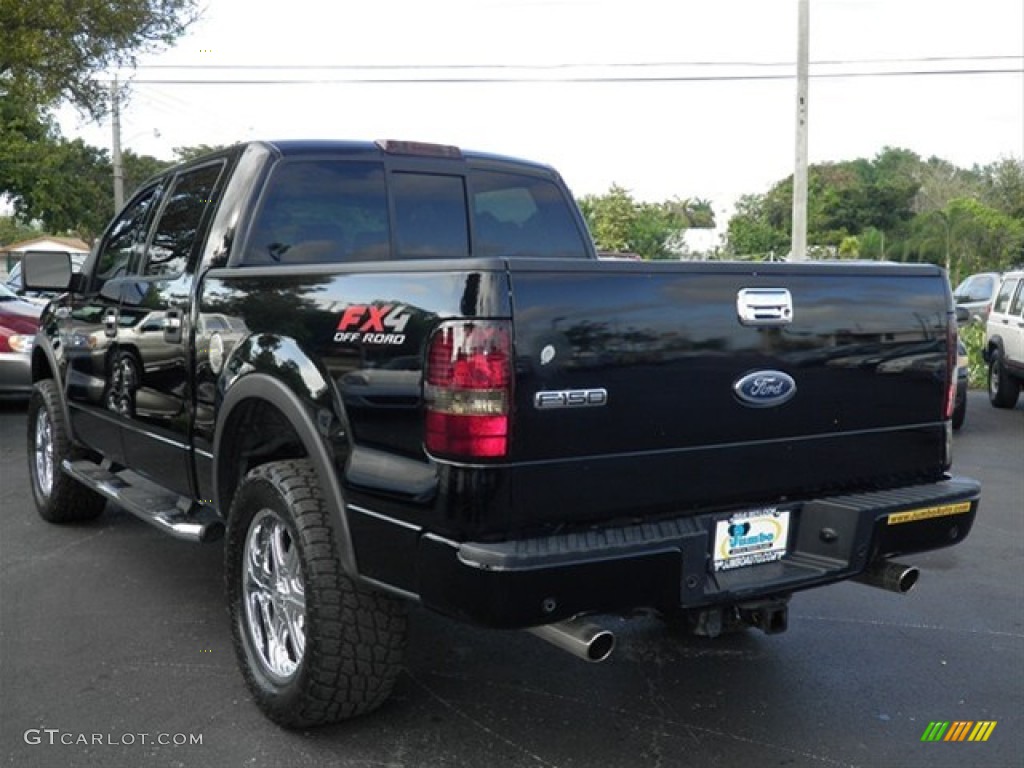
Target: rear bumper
(668, 564)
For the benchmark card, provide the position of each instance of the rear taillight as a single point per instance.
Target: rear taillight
(951, 355)
(467, 389)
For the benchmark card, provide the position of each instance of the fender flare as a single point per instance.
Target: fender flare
(42, 348)
(993, 343)
(261, 386)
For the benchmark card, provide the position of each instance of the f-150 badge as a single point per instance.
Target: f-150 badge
(764, 389)
(570, 398)
(373, 324)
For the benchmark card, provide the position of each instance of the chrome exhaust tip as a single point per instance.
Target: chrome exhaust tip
(579, 637)
(890, 576)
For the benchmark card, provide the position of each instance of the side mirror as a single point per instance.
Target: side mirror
(46, 270)
(962, 316)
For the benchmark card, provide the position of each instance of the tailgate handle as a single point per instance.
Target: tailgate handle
(764, 306)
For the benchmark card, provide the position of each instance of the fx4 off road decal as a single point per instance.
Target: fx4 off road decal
(373, 324)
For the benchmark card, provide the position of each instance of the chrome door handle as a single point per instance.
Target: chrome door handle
(110, 323)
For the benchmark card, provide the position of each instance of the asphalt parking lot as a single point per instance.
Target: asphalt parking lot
(114, 645)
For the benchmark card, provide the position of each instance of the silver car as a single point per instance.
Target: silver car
(976, 293)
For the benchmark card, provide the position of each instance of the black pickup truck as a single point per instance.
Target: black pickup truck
(391, 372)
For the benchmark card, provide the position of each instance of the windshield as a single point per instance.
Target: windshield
(975, 288)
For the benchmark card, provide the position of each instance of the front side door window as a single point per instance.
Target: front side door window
(114, 258)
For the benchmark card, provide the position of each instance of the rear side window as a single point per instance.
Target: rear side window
(321, 211)
(517, 215)
(180, 219)
(1005, 294)
(1017, 307)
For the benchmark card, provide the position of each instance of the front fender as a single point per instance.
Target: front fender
(48, 360)
(994, 343)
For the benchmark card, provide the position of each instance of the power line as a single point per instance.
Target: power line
(562, 66)
(492, 79)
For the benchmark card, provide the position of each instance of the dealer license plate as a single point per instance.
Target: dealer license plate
(751, 537)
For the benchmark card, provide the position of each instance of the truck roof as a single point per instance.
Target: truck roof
(292, 147)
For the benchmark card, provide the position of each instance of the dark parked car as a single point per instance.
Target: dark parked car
(18, 322)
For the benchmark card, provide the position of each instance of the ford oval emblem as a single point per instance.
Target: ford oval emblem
(764, 389)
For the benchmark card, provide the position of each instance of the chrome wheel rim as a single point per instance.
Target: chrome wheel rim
(44, 452)
(993, 378)
(275, 597)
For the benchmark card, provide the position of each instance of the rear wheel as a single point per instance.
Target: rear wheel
(59, 497)
(1003, 389)
(314, 647)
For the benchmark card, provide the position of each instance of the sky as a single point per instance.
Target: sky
(667, 98)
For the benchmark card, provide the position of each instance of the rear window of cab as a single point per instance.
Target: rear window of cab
(325, 210)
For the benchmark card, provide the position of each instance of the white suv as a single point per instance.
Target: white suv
(1004, 342)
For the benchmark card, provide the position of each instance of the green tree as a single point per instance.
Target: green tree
(71, 192)
(52, 50)
(12, 230)
(68, 185)
(753, 230)
(896, 205)
(849, 248)
(618, 223)
(1003, 183)
(968, 236)
(139, 168)
(610, 218)
(871, 244)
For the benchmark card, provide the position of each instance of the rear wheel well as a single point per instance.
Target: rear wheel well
(255, 433)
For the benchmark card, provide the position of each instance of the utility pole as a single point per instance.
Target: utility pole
(799, 249)
(115, 113)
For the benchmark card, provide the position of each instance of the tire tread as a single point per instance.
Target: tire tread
(69, 500)
(355, 638)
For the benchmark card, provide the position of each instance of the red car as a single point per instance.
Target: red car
(18, 322)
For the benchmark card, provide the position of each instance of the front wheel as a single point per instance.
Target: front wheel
(314, 647)
(1003, 389)
(59, 497)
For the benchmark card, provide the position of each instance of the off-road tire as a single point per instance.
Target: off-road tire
(61, 498)
(1003, 388)
(352, 639)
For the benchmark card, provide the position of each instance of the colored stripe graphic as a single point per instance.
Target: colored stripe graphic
(958, 730)
(935, 731)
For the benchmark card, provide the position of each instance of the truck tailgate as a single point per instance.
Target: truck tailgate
(627, 376)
